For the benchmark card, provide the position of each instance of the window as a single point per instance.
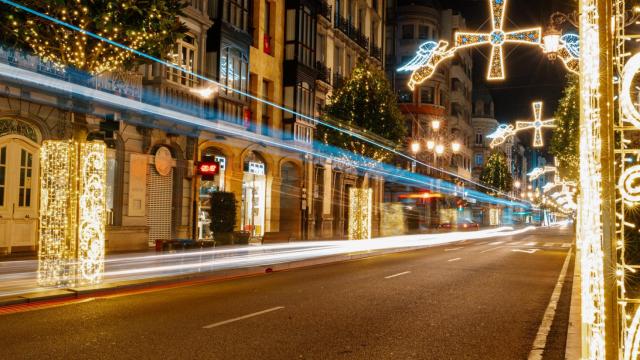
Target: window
(267, 110)
(479, 159)
(234, 67)
(184, 55)
(236, 13)
(423, 32)
(479, 139)
(306, 37)
(407, 31)
(427, 95)
(321, 48)
(405, 96)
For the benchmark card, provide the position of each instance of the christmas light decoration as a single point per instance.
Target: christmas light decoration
(629, 109)
(569, 52)
(537, 124)
(589, 228)
(92, 212)
(72, 213)
(539, 171)
(497, 39)
(56, 244)
(360, 214)
(424, 64)
(502, 134)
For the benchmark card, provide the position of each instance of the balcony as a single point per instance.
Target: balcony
(351, 31)
(121, 83)
(324, 72)
(376, 51)
(325, 10)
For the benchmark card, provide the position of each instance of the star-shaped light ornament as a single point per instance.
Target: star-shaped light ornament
(497, 38)
(537, 124)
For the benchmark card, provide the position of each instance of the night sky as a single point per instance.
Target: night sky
(530, 75)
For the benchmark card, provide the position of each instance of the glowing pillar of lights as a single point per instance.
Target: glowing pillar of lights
(92, 211)
(590, 227)
(72, 213)
(360, 209)
(58, 199)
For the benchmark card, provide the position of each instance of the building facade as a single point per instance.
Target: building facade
(438, 111)
(164, 121)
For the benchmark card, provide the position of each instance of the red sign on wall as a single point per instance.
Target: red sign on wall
(207, 169)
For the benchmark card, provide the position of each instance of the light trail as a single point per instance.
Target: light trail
(385, 170)
(20, 277)
(280, 107)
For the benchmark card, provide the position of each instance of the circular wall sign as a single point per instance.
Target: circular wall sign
(163, 161)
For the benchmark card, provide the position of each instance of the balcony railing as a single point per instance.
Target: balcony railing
(122, 83)
(376, 51)
(325, 10)
(324, 72)
(351, 31)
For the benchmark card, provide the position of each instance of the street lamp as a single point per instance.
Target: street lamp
(517, 184)
(439, 149)
(455, 147)
(431, 145)
(206, 92)
(415, 148)
(435, 125)
(551, 42)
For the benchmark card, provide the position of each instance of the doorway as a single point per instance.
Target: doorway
(19, 178)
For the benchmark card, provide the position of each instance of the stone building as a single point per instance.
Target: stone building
(164, 121)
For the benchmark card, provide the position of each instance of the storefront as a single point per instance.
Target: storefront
(254, 184)
(206, 188)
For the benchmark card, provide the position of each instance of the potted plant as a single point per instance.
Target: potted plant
(223, 216)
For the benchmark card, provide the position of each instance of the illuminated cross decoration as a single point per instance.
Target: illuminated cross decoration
(537, 124)
(497, 38)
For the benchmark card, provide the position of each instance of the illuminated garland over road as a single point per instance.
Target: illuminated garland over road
(504, 132)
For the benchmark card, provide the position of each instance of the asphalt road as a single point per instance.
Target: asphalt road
(481, 299)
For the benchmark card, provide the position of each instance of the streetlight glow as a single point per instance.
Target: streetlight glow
(455, 146)
(439, 149)
(415, 147)
(435, 124)
(431, 144)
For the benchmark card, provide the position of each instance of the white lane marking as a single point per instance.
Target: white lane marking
(530, 244)
(398, 274)
(243, 317)
(453, 249)
(515, 243)
(530, 251)
(451, 260)
(496, 243)
(566, 245)
(543, 332)
(483, 243)
(495, 248)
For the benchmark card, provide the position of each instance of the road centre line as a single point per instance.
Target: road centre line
(453, 249)
(243, 317)
(540, 341)
(398, 274)
(451, 260)
(490, 249)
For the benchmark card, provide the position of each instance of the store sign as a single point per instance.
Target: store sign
(255, 168)
(208, 169)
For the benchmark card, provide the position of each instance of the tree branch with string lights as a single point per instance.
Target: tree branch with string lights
(150, 26)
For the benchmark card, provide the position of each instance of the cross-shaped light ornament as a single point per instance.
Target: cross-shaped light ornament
(537, 124)
(497, 38)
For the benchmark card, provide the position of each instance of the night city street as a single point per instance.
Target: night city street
(480, 299)
(320, 179)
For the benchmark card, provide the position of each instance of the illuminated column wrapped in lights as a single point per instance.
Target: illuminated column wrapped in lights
(360, 213)
(590, 227)
(57, 233)
(91, 212)
(72, 213)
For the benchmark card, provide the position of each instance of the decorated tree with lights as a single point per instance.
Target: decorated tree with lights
(149, 26)
(496, 173)
(365, 104)
(565, 143)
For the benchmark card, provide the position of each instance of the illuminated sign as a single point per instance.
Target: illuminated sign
(208, 169)
(255, 168)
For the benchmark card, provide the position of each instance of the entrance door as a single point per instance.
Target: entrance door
(19, 176)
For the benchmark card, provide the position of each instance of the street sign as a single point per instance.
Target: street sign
(207, 169)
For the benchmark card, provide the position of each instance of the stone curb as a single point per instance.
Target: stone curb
(573, 349)
(217, 275)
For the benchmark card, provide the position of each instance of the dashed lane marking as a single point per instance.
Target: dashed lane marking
(398, 274)
(452, 260)
(243, 317)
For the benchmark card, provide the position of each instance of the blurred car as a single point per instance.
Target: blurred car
(463, 224)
